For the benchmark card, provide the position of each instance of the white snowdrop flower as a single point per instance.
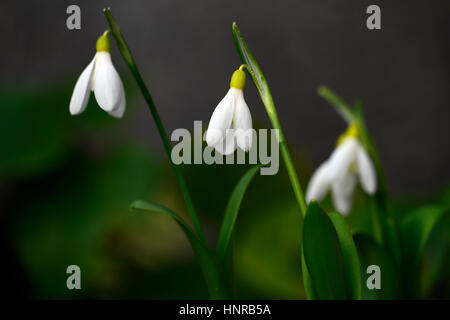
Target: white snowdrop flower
(101, 77)
(348, 164)
(231, 123)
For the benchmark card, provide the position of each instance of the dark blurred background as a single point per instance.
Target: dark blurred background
(66, 182)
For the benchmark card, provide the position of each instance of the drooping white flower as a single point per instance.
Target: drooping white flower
(348, 164)
(101, 77)
(231, 121)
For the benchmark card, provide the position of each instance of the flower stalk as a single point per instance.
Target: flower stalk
(266, 97)
(128, 57)
(383, 222)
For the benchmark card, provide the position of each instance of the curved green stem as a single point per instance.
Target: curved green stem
(263, 88)
(128, 57)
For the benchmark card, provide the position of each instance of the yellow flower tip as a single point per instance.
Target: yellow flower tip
(103, 42)
(351, 132)
(238, 79)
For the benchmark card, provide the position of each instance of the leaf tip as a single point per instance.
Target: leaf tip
(321, 89)
(313, 206)
(236, 28)
(134, 205)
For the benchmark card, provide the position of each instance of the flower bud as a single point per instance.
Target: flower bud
(351, 132)
(238, 80)
(103, 43)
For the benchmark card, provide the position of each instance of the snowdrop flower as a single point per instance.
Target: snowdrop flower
(101, 77)
(348, 163)
(231, 122)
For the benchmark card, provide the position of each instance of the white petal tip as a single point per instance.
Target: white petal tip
(213, 136)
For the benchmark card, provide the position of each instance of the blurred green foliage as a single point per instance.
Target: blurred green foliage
(69, 181)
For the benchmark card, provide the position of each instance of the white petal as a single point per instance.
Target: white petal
(341, 158)
(80, 95)
(342, 203)
(106, 83)
(366, 171)
(227, 145)
(221, 119)
(242, 122)
(318, 184)
(121, 109)
(342, 192)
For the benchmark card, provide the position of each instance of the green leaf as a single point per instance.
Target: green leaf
(371, 253)
(352, 271)
(232, 211)
(153, 207)
(252, 66)
(338, 103)
(311, 293)
(435, 262)
(415, 229)
(120, 39)
(213, 275)
(323, 256)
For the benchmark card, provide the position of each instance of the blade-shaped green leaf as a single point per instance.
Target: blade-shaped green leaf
(213, 275)
(153, 207)
(120, 39)
(435, 262)
(232, 211)
(311, 293)
(350, 258)
(415, 229)
(323, 256)
(252, 65)
(352, 272)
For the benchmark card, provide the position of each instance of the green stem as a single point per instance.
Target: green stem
(384, 224)
(272, 113)
(263, 88)
(128, 57)
(292, 174)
